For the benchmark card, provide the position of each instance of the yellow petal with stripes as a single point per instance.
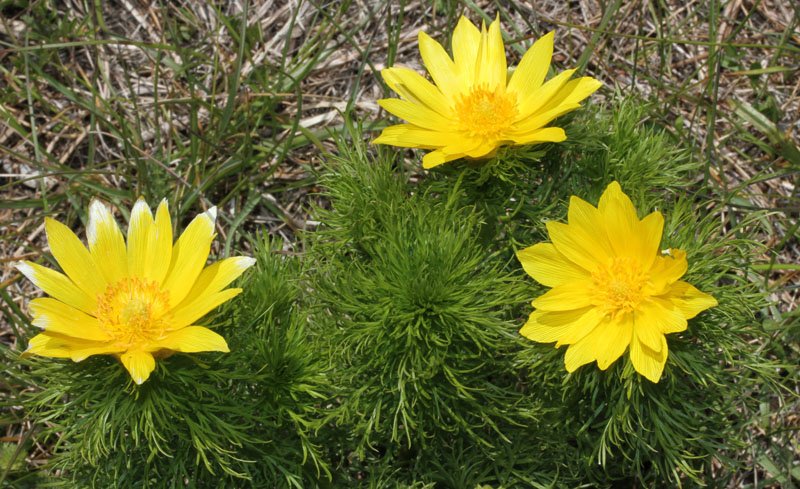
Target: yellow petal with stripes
(139, 364)
(58, 285)
(76, 261)
(194, 310)
(106, 243)
(56, 317)
(189, 255)
(194, 339)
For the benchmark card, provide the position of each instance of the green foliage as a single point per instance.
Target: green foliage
(415, 316)
(216, 420)
(387, 355)
(522, 187)
(625, 428)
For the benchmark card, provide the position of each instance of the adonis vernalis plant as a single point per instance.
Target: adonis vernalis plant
(473, 108)
(611, 287)
(136, 301)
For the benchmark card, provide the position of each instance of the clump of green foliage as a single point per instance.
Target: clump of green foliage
(415, 315)
(387, 355)
(214, 420)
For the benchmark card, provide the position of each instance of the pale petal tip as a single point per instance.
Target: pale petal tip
(98, 210)
(98, 213)
(39, 321)
(212, 214)
(140, 207)
(24, 267)
(246, 262)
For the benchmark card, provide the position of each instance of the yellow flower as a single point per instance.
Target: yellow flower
(133, 301)
(611, 288)
(474, 107)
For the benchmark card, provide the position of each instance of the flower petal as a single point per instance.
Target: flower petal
(659, 315)
(573, 92)
(629, 236)
(57, 346)
(466, 41)
(438, 157)
(194, 310)
(419, 115)
(56, 317)
(530, 102)
(544, 135)
(491, 65)
(411, 136)
(549, 326)
(149, 242)
(566, 297)
(189, 255)
(650, 337)
(649, 231)
(648, 362)
(416, 89)
(47, 346)
(217, 276)
(484, 150)
(591, 319)
(532, 69)
(74, 258)
(140, 226)
(458, 147)
(688, 300)
(522, 128)
(547, 266)
(612, 339)
(58, 286)
(620, 219)
(439, 66)
(161, 251)
(193, 339)
(586, 220)
(579, 245)
(139, 364)
(544, 333)
(666, 270)
(106, 243)
(579, 354)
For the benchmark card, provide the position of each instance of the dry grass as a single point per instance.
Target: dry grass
(184, 101)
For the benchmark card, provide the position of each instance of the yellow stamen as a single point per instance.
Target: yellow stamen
(618, 286)
(134, 311)
(486, 114)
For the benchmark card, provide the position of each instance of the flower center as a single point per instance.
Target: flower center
(134, 311)
(486, 114)
(618, 286)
